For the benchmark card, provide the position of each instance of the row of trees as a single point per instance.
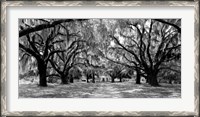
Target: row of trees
(54, 46)
(148, 46)
(60, 47)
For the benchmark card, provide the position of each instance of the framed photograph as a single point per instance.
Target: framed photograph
(100, 58)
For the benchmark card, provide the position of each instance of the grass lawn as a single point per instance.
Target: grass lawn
(99, 90)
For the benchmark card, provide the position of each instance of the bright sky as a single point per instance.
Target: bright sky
(121, 39)
(112, 43)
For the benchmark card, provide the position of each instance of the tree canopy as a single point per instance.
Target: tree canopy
(57, 47)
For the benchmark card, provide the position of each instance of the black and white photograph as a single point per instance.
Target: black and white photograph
(99, 58)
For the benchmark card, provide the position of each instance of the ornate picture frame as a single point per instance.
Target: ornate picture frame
(4, 60)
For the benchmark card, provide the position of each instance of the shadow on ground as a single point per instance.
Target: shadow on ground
(100, 90)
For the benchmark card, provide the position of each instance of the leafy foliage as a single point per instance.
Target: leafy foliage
(68, 48)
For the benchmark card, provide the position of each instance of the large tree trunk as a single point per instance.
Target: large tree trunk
(170, 81)
(170, 77)
(93, 78)
(152, 77)
(154, 81)
(64, 79)
(42, 73)
(120, 79)
(87, 79)
(71, 80)
(138, 77)
(112, 79)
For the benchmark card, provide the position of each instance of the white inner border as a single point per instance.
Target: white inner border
(185, 103)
